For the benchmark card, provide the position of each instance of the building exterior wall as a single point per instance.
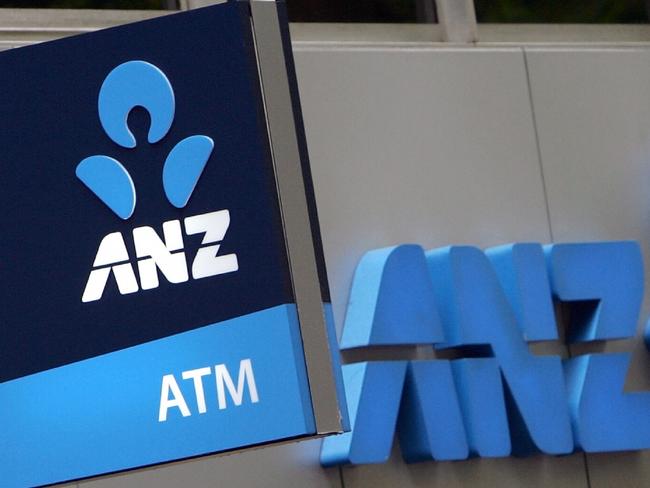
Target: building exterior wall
(437, 145)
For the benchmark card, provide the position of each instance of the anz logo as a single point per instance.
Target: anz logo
(141, 84)
(475, 389)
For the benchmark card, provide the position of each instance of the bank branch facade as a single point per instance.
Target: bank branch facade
(248, 253)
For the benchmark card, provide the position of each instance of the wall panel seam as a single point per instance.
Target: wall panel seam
(546, 202)
(537, 142)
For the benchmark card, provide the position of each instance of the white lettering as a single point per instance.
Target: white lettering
(172, 397)
(169, 385)
(245, 375)
(214, 226)
(159, 254)
(166, 255)
(111, 250)
(197, 376)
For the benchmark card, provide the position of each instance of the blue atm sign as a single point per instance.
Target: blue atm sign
(150, 311)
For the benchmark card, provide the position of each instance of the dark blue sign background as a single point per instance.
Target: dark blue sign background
(52, 224)
(82, 385)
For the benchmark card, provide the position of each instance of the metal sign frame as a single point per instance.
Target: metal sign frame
(290, 160)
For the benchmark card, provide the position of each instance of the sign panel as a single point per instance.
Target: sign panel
(150, 306)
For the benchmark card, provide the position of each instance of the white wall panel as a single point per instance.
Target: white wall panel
(436, 147)
(592, 108)
(431, 146)
(286, 466)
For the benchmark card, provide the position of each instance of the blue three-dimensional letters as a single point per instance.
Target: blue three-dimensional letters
(493, 397)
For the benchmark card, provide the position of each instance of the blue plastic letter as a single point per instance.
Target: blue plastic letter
(392, 300)
(606, 279)
(374, 391)
(521, 269)
(430, 421)
(475, 311)
(479, 386)
(392, 303)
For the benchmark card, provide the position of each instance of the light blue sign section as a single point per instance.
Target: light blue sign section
(102, 414)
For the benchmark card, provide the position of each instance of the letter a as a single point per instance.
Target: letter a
(169, 385)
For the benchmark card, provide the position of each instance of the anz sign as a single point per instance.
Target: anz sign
(490, 396)
(141, 84)
(164, 293)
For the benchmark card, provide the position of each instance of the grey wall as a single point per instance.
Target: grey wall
(460, 145)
